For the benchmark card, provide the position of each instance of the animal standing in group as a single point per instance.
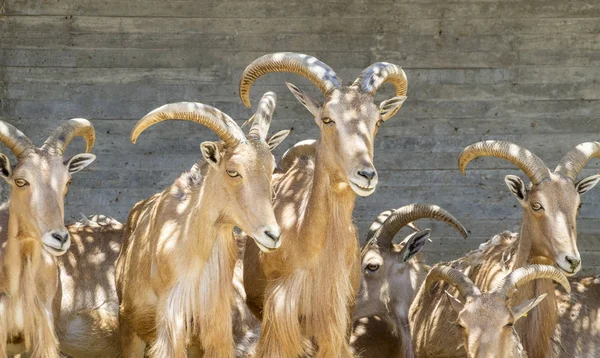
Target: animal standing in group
(548, 236)
(174, 273)
(486, 320)
(304, 292)
(391, 276)
(33, 234)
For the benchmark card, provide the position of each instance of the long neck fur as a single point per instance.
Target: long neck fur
(537, 328)
(24, 290)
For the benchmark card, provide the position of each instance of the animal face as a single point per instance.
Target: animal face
(39, 183)
(550, 211)
(245, 172)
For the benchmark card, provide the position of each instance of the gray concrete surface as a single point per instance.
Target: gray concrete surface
(517, 70)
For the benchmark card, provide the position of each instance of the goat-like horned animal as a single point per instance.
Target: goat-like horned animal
(548, 236)
(304, 292)
(175, 270)
(32, 233)
(391, 276)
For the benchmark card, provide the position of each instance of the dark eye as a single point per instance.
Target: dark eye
(69, 182)
(579, 207)
(510, 324)
(460, 326)
(21, 182)
(327, 120)
(379, 122)
(537, 206)
(373, 267)
(233, 173)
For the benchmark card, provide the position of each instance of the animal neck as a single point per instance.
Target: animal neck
(537, 327)
(331, 202)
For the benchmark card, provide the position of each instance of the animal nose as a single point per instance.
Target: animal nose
(273, 234)
(61, 237)
(368, 174)
(573, 261)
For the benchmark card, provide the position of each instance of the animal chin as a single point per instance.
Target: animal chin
(262, 245)
(361, 190)
(567, 271)
(54, 251)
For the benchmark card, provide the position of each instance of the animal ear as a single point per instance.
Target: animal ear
(211, 153)
(455, 302)
(80, 161)
(5, 167)
(389, 107)
(586, 184)
(310, 104)
(414, 244)
(522, 309)
(277, 138)
(516, 186)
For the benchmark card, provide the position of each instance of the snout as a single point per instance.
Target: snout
(363, 180)
(57, 242)
(268, 238)
(569, 263)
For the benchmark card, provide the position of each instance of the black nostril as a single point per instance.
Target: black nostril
(573, 261)
(273, 237)
(62, 238)
(368, 174)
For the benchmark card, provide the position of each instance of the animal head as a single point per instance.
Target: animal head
(389, 277)
(243, 164)
(552, 200)
(40, 180)
(348, 118)
(486, 320)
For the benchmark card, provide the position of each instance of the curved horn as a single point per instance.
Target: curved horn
(379, 73)
(409, 213)
(219, 122)
(512, 281)
(15, 140)
(261, 120)
(304, 65)
(572, 163)
(463, 284)
(528, 162)
(60, 138)
(302, 148)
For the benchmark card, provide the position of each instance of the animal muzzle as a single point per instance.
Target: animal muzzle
(268, 238)
(56, 242)
(569, 263)
(363, 180)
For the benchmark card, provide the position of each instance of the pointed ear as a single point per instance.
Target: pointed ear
(455, 302)
(5, 167)
(310, 104)
(389, 107)
(277, 138)
(586, 184)
(516, 186)
(80, 161)
(211, 153)
(414, 244)
(520, 310)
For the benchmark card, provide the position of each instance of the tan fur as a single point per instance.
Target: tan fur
(88, 323)
(175, 270)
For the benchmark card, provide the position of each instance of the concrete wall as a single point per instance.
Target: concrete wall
(523, 71)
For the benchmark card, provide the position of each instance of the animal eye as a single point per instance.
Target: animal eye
(579, 207)
(460, 326)
(69, 182)
(373, 267)
(233, 173)
(21, 182)
(510, 324)
(327, 120)
(379, 122)
(536, 206)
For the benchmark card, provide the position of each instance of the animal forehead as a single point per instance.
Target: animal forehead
(249, 154)
(555, 190)
(372, 255)
(37, 164)
(487, 309)
(348, 103)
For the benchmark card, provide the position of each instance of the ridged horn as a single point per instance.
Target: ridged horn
(302, 148)
(576, 159)
(214, 119)
(60, 138)
(261, 120)
(463, 284)
(528, 162)
(15, 140)
(374, 76)
(509, 284)
(409, 213)
(304, 65)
